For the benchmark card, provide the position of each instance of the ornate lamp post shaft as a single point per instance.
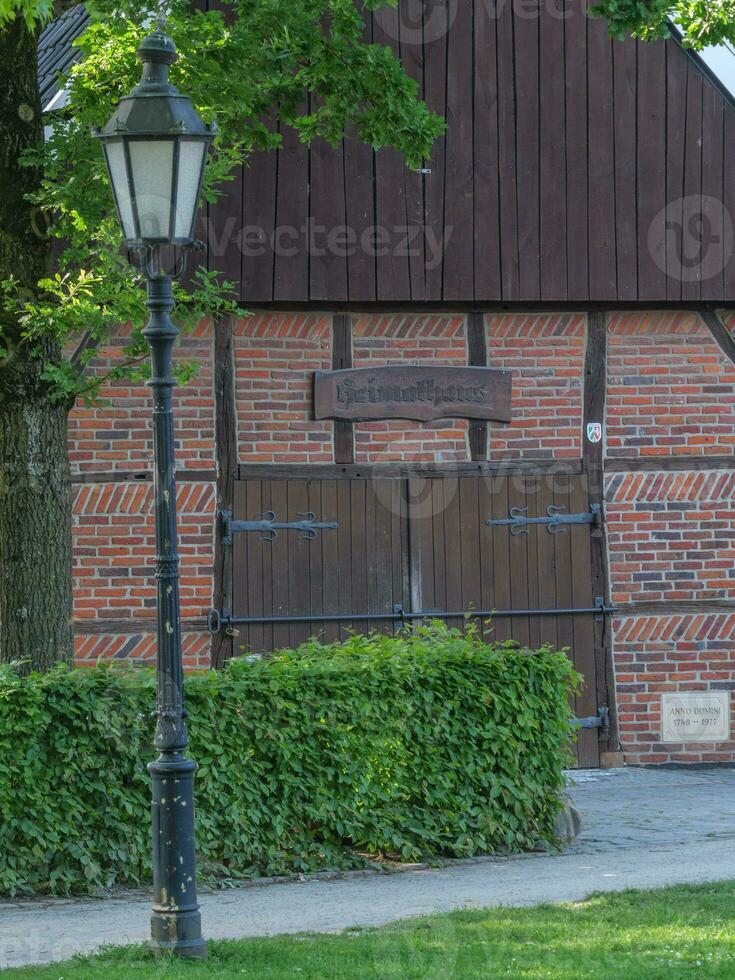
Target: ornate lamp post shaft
(155, 147)
(175, 922)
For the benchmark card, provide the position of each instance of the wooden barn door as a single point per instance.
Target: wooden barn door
(291, 581)
(407, 549)
(459, 563)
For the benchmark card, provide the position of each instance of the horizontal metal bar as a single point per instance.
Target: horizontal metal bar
(400, 615)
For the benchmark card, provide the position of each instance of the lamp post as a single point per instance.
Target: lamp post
(155, 148)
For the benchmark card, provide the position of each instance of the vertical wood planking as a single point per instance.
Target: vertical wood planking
(691, 281)
(713, 214)
(485, 141)
(553, 160)
(360, 218)
(453, 549)
(728, 285)
(435, 94)
(393, 273)
(625, 59)
(651, 171)
(328, 264)
(601, 205)
(545, 558)
(258, 222)
(471, 532)
(278, 553)
(575, 47)
(676, 103)
(528, 148)
(291, 263)
(507, 175)
(518, 553)
(299, 558)
(459, 244)
(331, 546)
(412, 57)
(501, 557)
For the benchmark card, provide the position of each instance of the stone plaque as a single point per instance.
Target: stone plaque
(694, 716)
(417, 393)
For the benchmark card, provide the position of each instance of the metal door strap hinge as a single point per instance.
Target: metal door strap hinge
(268, 526)
(600, 720)
(555, 521)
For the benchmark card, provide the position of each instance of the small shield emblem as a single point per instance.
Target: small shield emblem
(594, 432)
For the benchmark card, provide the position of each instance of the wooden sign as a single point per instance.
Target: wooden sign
(417, 393)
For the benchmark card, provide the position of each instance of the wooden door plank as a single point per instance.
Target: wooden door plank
(502, 626)
(563, 579)
(532, 543)
(358, 599)
(471, 532)
(728, 284)
(518, 551)
(488, 577)
(546, 564)
(453, 550)
(330, 558)
(277, 552)
(344, 552)
(315, 490)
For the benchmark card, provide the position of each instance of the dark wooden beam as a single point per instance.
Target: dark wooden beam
(720, 334)
(226, 450)
(593, 456)
(669, 607)
(402, 471)
(477, 357)
(344, 430)
(143, 625)
(668, 464)
(143, 476)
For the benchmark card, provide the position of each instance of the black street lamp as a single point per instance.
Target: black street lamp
(155, 147)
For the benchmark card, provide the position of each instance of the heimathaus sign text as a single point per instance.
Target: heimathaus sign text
(417, 393)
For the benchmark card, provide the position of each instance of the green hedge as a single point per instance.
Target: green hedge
(429, 744)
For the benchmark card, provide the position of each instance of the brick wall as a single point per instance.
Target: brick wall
(546, 354)
(669, 387)
(671, 535)
(275, 358)
(395, 339)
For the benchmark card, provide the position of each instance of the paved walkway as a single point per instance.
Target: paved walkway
(643, 828)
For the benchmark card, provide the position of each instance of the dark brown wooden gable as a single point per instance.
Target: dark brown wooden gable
(562, 147)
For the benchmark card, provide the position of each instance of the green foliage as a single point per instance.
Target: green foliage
(703, 22)
(433, 743)
(260, 67)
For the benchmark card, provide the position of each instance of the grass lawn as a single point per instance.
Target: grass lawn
(677, 932)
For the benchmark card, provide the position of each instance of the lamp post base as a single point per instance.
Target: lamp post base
(178, 934)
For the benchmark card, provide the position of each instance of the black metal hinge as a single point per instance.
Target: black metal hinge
(268, 526)
(601, 720)
(555, 520)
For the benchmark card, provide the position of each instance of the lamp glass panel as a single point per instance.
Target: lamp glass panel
(115, 153)
(191, 155)
(152, 164)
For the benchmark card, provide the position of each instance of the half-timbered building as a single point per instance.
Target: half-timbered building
(572, 232)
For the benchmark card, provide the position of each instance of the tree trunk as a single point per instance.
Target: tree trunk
(35, 535)
(35, 493)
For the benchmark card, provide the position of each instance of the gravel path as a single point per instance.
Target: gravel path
(643, 828)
